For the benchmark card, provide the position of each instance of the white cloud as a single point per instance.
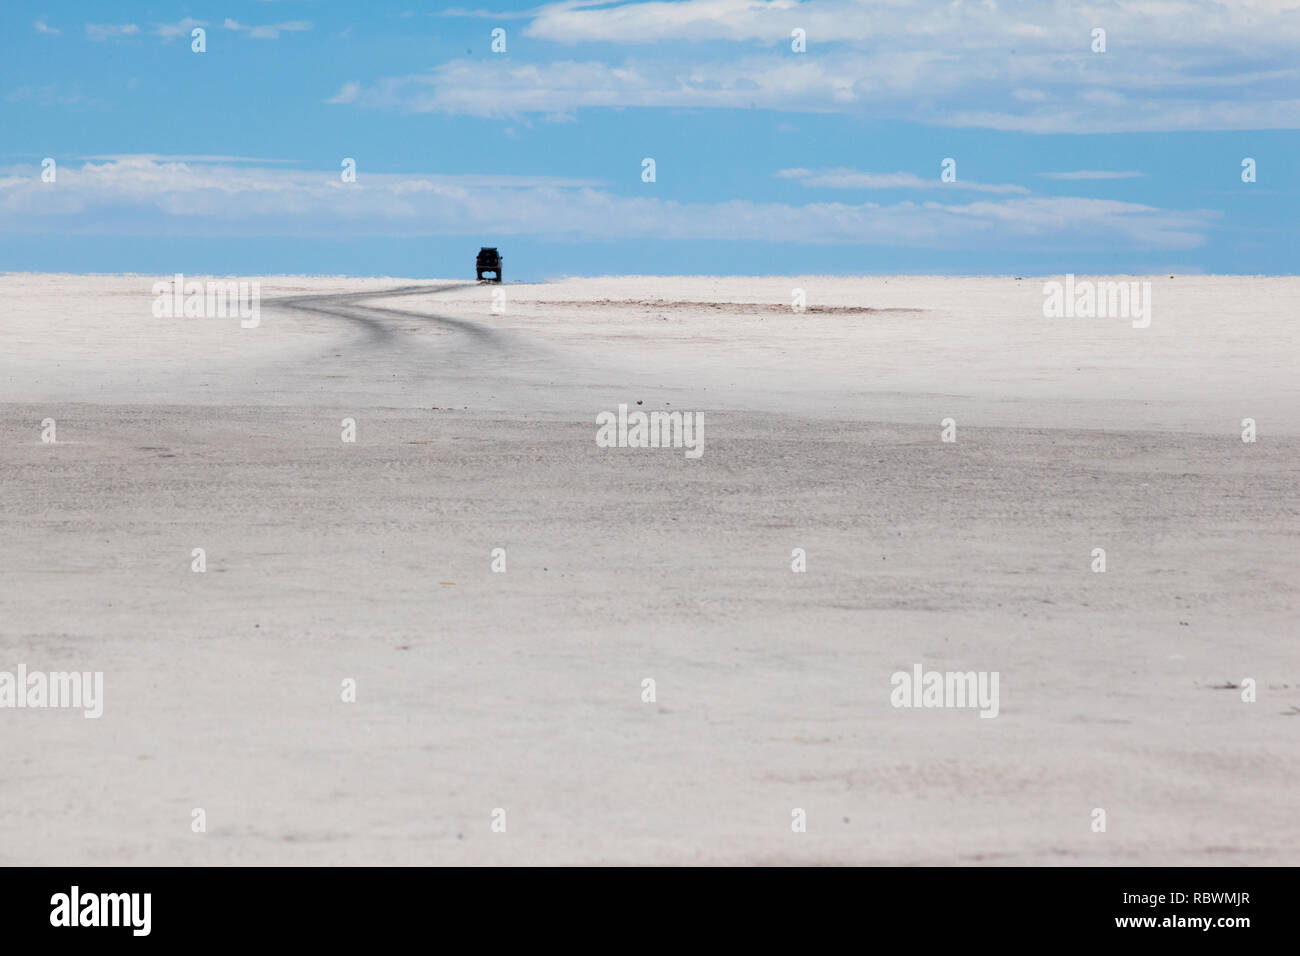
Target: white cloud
(1185, 64)
(1142, 117)
(50, 95)
(764, 21)
(497, 89)
(142, 196)
(110, 31)
(175, 158)
(181, 28)
(42, 27)
(464, 12)
(270, 31)
(905, 86)
(348, 93)
(1093, 174)
(839, 178)
(1063, 25)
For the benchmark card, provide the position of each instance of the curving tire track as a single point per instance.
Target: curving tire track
(379, 323)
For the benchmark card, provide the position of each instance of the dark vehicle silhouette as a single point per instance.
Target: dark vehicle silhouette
(489, 260)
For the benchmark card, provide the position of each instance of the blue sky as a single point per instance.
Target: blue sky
(767, 160)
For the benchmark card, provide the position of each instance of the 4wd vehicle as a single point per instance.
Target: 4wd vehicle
(489, 260)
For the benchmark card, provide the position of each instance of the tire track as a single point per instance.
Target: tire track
(377, 322)
(394, 343)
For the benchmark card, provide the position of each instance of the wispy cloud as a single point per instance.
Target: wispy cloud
(919, 86)
(1191, 64)
(181, 28)
(142, 196)
(1094, 174)
(1063, 25)
(480, 14)
(171, 158)
(347, 93)
(110, 31)
(840, 178)
(270, 31)
(51, 94)
(42, 27)
(475, 88)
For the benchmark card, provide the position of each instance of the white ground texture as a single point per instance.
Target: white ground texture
(371, 561)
